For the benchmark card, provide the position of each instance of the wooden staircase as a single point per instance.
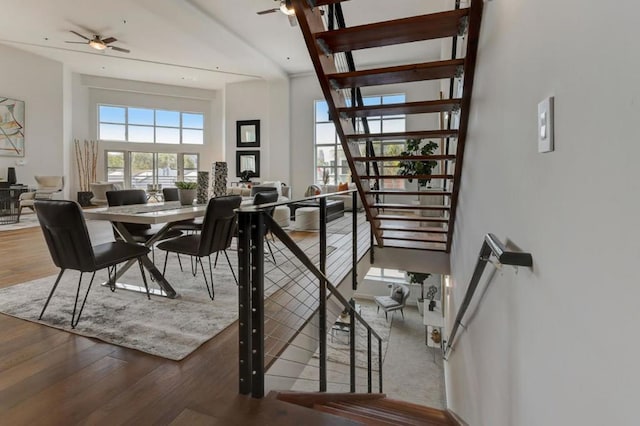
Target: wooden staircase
(414, 218)
(368, 409)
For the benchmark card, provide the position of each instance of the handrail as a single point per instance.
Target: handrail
(491, 245)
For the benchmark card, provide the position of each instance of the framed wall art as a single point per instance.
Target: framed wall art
(248, 134)
(11, 127)
(248, 160)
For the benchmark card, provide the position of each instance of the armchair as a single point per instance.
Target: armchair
(48, 187)
(397, 300)
(100, 189)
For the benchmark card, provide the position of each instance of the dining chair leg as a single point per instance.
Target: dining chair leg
(74, 319)
(204, 275)
(270, 250)
(55, 285)
(230, 267)
(194, 266)
(180, 262)
(144, 278)
(215, 263)
(113, 272)
(164, 269)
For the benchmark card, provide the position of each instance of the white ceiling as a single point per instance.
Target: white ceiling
(195, 43)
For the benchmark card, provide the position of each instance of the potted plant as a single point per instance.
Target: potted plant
(86, 160)
(423, 167)
(419, 278)
(187, 192)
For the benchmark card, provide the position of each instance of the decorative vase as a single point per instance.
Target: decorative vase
(187, 196)
(11, 175)
(220, 178)
(84, 198)
(432, 305)
(203, 188)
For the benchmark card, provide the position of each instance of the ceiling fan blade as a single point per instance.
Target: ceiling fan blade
(109, 40)
(76, 42)
(80, 35)
(292, 20)
(264, 12)
(119, 49)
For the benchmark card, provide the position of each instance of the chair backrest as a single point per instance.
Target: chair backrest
(400, 293)
(266, 198)
(219, 224)
(127, 197)
(256, 189)
(65, 232)
(171, 194)
(53, 183)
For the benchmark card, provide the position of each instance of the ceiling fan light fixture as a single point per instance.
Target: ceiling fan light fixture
(287, 8)
(97, 44)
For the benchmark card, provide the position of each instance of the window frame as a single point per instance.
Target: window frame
(155, 126)
(127, 176)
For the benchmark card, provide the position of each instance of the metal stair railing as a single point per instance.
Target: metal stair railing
(306, 293)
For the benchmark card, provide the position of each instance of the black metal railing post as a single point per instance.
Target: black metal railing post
(257, 304)
(352, 346)
(322, 303)
(380, 365)
(369, 350)
(354, 240)
(372, 257)
(244, 302)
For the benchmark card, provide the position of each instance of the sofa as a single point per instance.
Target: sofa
(282, 213)
(99, 190)
(345, 198)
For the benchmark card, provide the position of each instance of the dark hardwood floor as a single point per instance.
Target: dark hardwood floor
(51, 377)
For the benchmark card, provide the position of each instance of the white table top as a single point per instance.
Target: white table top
(147, 213)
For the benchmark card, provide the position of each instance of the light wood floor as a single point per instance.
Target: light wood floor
(52, 377)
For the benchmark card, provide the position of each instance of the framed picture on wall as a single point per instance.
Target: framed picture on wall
(11, 127)
(248, 160)
(248, 134)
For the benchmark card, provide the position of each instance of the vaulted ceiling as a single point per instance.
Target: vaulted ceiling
(195, 43)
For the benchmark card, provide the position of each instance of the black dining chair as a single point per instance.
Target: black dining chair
(188, 225)
(65, 232)
(217, 232)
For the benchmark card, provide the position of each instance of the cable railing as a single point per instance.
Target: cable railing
(491, 245)
(293, 321)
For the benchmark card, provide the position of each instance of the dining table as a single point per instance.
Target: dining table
(162, 213)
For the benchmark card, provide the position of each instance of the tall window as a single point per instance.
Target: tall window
(140, 169)
(330, 158)
(144, 125)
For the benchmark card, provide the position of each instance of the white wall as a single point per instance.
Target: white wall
(38, 82)
(267, 101)
(555, 344)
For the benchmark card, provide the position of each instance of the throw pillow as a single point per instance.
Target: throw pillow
(343, 187)
(396, 294)
(318, 192)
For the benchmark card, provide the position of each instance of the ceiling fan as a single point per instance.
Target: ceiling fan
(285, 7)
(98, 42)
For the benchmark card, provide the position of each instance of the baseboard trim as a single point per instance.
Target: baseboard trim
(456, 418)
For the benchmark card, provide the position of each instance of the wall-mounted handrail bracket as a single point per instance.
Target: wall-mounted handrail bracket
(490, 246)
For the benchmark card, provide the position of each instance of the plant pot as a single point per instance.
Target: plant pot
(187, 196)
(84, 198)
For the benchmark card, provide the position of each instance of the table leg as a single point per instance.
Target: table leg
(166, 289)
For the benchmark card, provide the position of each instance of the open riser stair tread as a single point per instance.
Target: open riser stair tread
(408, 407)
(421, 134)
(352, 416)
(413, 229)
(421, 107)
(422, 238)
(415, 245)
(397, 74)
(408, 207)
(376, 415)
(427, 416)
(405, 158)
(397, 31)
(388, 217)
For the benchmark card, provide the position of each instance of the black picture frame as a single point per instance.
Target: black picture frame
(248, 134)
(240, 155)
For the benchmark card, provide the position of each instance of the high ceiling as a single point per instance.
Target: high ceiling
(195, 43)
